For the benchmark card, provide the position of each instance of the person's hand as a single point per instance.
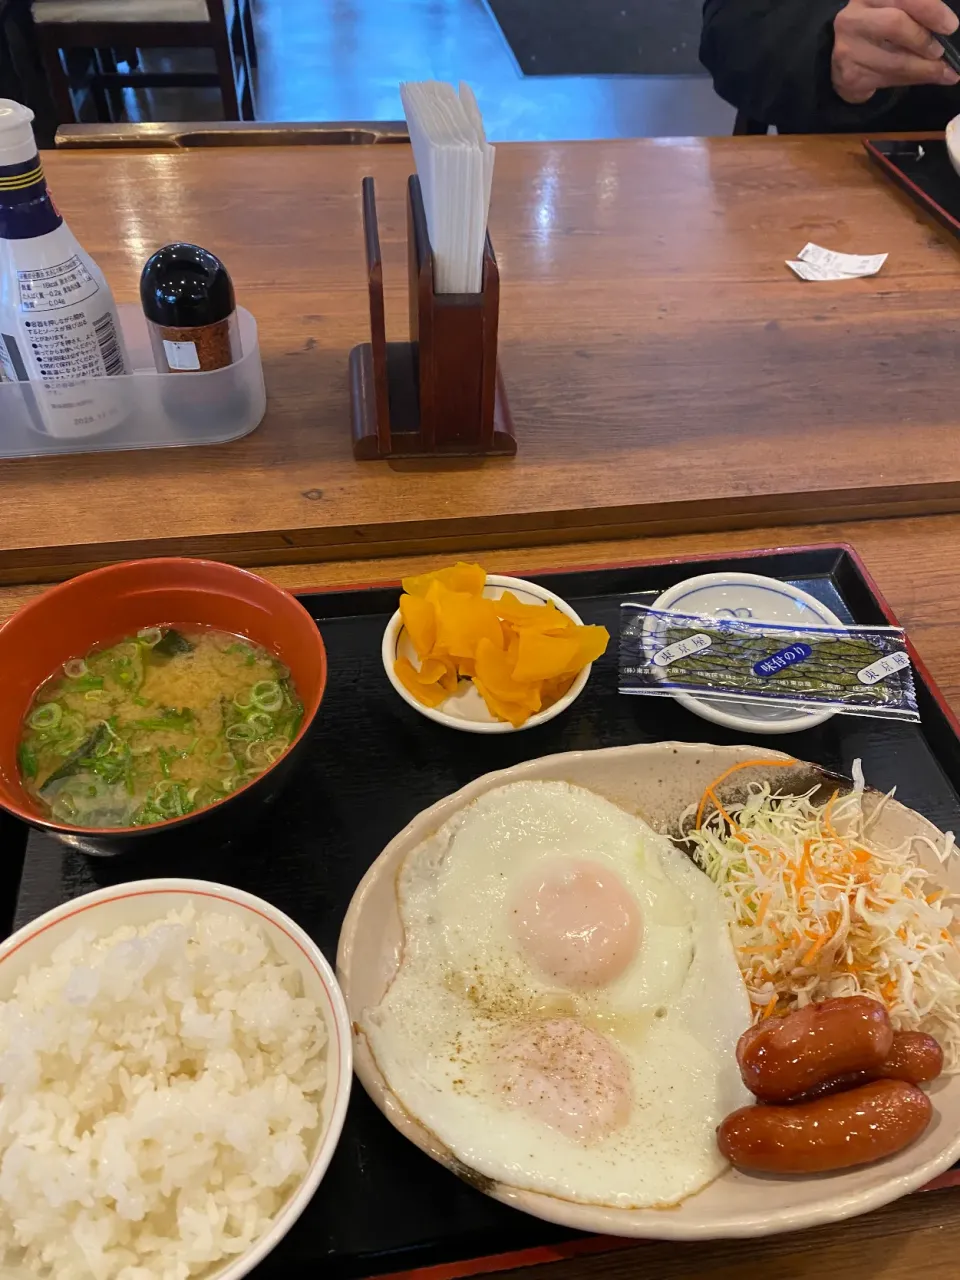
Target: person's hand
(882, 44)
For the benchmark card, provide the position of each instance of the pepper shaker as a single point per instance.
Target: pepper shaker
(189, 303)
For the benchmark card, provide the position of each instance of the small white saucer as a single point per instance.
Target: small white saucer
(465, 709)
(758, 599)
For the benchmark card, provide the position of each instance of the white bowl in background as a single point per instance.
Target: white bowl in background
(465, 709)
(758, 599)
(953, 142)
(139, 902)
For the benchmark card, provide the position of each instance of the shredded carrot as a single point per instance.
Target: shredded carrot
(769, 1007)
(801, 877)
(762, 909)
(862, 855)
(734, 827)
(756, 951)
(817, 947)
(888, 990)
(745, 764)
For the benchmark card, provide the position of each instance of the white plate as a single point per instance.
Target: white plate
(759, 599)
(465, 709)
(657, 781)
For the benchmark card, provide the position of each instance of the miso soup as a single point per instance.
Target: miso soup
(155, 726)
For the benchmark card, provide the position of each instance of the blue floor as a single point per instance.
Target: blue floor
(343, 60)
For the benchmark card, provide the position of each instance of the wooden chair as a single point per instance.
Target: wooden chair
(225, 26)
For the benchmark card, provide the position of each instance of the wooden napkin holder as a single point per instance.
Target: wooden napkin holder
(441, 393)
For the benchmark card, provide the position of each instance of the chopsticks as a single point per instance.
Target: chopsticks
(950, 55)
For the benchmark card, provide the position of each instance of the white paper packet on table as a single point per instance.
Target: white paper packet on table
(816, 263)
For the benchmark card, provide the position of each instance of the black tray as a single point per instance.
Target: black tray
(375, 763)
(923, 170)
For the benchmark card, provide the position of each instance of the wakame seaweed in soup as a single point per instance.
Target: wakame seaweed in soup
(156, 726)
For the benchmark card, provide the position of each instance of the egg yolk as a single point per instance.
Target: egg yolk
(568, 1076)
(576, 923)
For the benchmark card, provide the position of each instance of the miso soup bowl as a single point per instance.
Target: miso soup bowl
(100, 607)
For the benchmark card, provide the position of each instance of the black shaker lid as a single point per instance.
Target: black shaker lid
(184, 286)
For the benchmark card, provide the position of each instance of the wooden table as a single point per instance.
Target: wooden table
(665, 369)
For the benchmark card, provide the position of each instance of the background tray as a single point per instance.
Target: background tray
(923, 170)
(374, 763)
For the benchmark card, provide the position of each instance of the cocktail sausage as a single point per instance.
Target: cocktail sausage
(784, 1058)
(838, 1132)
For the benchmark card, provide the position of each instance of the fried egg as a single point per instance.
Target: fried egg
(566, 1008)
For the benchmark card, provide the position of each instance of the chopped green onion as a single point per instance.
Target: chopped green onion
(266, 695)
(169, 718)
(150, 636)
(28, 761)
(254, 749)
(241, 705)
(274, 750)
(226, 760)
(93, 695)
(240, 733)
(75, 668)
(46, 716)
(81, 683)
(69, 735)
(260, 722)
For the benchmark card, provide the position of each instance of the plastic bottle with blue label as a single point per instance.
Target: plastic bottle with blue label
(59, 330)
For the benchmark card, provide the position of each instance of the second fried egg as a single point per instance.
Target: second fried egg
(567, 1003)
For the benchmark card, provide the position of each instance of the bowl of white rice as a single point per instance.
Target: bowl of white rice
(175, 1067)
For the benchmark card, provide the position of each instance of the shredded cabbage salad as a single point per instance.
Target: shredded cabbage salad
(820, 909)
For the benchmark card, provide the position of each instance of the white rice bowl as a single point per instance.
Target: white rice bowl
(175, 1067)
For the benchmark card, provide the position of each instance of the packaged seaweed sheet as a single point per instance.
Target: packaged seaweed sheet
(862, 671)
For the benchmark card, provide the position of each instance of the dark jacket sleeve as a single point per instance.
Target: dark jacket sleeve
(771, 60)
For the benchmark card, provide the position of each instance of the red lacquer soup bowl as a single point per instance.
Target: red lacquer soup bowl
(101, 607)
